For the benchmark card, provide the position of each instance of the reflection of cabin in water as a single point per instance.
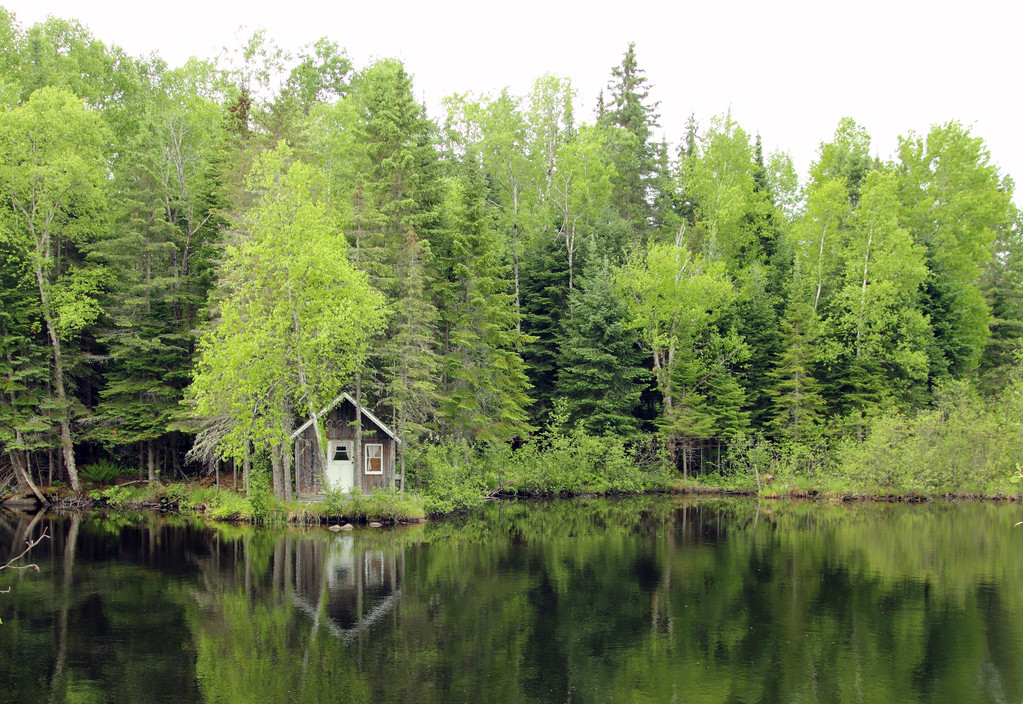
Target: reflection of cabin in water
(352, 587)
(379, 448)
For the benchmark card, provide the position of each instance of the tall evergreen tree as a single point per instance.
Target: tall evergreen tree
(392, 196)
(600, 363)
(164, 247)
(484, 394)
(1002, 285)
(798, 404)
(634, 157)
(544, 307)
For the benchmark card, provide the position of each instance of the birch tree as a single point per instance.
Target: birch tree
(295, 318)
(675, 297)
(53, 175)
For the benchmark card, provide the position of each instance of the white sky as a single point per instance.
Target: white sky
(788, 69)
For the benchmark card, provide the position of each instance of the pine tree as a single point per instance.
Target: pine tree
(1003, 290)
(484, 394)
(634, 158)
(393, 192)
(544, 306)
(798, 404)
(600, 363)
(168, 193)
(756, 321)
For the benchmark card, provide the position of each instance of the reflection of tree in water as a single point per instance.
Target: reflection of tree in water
(92, 628)
(632, 600)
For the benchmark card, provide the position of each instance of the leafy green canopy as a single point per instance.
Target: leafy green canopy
(295, 318)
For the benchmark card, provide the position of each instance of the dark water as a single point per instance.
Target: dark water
(639, 600)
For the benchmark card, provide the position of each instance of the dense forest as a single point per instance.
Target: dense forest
(196, 259)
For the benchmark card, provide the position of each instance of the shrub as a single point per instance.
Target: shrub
(229, 506)
(450, 476)
(266, 508)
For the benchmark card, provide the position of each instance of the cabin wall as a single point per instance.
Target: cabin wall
(338, 426)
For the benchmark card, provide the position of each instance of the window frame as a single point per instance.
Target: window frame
(341, 445)
(367, 458)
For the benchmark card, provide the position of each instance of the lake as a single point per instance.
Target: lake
(640, 599)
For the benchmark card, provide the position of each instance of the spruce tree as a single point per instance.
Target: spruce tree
(600, 363)
(544, 306)
(164, 247)
(798, 404)
(1002, 284)
(393, 195)
(484, 392)
(629, 108)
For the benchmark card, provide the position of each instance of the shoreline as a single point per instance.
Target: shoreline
(387, 508)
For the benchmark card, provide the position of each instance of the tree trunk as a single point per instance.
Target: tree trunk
(246, 468)
(154, 473)
(286, 459)
(863, 295)
(820, 269)
(357, 455)
(278, 474)
(65, 605)
(25, 477)
(302, 379)
(66, 443)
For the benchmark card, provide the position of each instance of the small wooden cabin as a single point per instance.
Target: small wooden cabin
(338, 468)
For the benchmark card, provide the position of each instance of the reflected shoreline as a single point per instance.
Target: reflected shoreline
(597, 599)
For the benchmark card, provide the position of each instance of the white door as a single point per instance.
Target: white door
(340, 466)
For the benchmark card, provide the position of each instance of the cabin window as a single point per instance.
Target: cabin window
(341, 453)
(374, 459)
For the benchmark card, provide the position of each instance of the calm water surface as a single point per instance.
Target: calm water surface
(651, 599)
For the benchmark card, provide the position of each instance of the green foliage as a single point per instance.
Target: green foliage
(967, 444)
(225, 506)
(274, 228)
(544, 304)
(456, 476)
(129, 496)
(295, 320)
(267, 509)
(484, 389)
(953, 203)
(385, 505)
(732, 214)
(101, 472)
(676, 300)
(451, 477)
(599, 359)
(578, 463)
(631, 111)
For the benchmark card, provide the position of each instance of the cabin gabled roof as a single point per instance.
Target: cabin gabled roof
(334, 404)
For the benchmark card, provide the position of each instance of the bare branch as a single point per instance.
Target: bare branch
(28, 546)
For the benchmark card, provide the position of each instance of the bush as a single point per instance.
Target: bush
(386, 504)
(228, 506)
(266, 508)
(125, 496)
(450, 475)
(457, 476)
